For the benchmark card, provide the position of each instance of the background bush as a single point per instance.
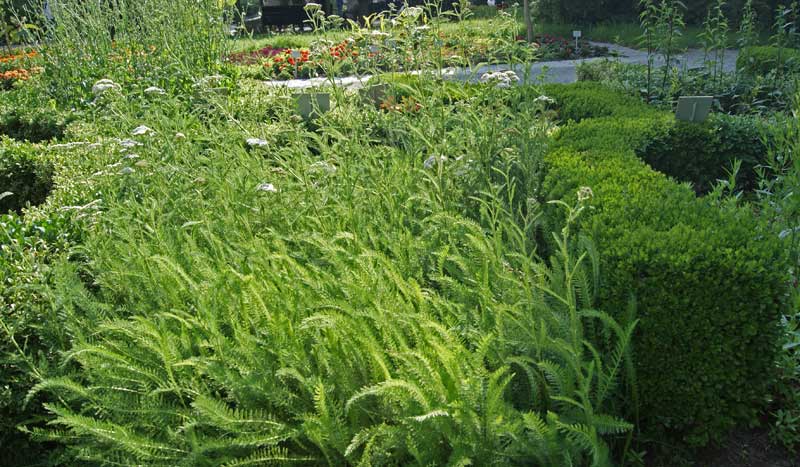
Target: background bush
(25, 177)
(589, 11)
(738, 93)
(705, 153)
(709, 287)
(170, 44)
(763, 60)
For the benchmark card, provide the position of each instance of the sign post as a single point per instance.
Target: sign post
(577, 35)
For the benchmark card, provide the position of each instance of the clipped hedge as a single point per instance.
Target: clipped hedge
(698, 153)
(761, 60)
(709, 287)
(26, 178)
(702, 153)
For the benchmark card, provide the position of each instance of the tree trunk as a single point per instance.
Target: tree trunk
(526, 11)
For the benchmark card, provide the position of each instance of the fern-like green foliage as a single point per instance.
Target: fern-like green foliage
(374, 310)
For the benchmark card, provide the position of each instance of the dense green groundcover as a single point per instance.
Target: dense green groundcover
(709, 286)
(372, 286)
(364, 288)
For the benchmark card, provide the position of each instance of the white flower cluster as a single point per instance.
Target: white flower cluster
(257, 142)
(104, 85)
(504, 79)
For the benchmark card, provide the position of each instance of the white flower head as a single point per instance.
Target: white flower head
(179, 136)
(154, 90)
(103, 85)
(129, 143)
(412, 12)
(142, 130)
(267, 187)
(511, 75)
(257, 142)
(323, 166)
(209, 81)
(126, 171)
(585, 193)
(312, 7)
(502, 79)
(71, 145)
(545, 100)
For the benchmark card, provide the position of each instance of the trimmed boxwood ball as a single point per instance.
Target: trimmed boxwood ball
(25, 177)
(709, 287)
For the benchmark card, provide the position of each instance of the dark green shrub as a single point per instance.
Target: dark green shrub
(709, 286)
(761, 60)
(704, 153)
(735, 93)
(25, 178)
(699, 153)
(32, 126)
(26, 115)
(29, 323)
(588, 100)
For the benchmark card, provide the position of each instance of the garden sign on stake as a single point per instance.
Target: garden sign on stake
(577, 35)
(693, 108)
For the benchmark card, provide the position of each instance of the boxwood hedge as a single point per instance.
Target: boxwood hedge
(25, 177)
(709, 287)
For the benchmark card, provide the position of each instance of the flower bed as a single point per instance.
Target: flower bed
(19, 66)
(407, 48)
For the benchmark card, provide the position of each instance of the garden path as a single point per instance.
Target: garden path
(563, 71)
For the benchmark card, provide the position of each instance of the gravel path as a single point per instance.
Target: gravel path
(563, 71)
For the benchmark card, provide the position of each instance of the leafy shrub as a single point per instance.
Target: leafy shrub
(735, 93)
(705, 153)
(762, 60)
(33, 126)
(31, 329)
(588, 100)
(26, 115)
(25, 177)
(708, 285)
(169, 44)
(699, 153)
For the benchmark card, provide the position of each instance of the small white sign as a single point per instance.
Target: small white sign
(693, 108)
(577, 34)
